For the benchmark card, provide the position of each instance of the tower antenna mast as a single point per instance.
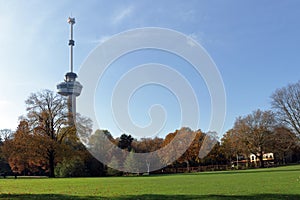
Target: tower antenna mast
(71, 21)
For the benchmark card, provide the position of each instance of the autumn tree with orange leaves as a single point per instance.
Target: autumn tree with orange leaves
(183, 146)
(43, 137)
(20, 151)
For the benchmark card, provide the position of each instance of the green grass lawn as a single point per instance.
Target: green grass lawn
(273, 183)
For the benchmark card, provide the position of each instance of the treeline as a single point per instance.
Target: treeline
(183, 147)
(30, 152)
(44, 143)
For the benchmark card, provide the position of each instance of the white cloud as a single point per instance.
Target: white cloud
(121, 15)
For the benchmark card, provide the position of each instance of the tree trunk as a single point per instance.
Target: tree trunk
(51, 164)
(261, 161)
(284, 160)
(187, 166)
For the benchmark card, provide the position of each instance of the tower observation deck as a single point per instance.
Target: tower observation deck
(70, 87)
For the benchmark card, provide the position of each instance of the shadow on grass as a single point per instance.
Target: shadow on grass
(153, 196)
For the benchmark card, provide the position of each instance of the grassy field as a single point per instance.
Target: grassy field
(273, 183)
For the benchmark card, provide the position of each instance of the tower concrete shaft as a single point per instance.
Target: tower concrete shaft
(70, 87)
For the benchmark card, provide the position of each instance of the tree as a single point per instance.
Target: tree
(5, 134)
(20, 151)
(44, 138)
(175, 146)
(132, 164)
(113, 166)
(125, 142)
(146, 145)
(284, 142)
(47, 116)
(192, 153)
(215, 156)
(286, 102)
(232, 146)
(100, 144)
(210, 139)
(94, 166)
(74, 167)
(256, 132)
(184, 146)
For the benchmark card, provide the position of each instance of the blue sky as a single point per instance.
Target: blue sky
(255, 45)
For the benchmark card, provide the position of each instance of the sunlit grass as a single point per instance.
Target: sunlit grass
(273, 183)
